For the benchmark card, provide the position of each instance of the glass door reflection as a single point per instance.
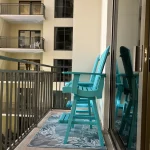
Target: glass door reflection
(126, 86)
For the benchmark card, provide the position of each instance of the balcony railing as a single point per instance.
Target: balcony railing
(25, 98)
(22, 9)
(22, 42)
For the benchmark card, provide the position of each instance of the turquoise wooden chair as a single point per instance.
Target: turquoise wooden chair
(90, 94)
(83, 102)
(130, 117)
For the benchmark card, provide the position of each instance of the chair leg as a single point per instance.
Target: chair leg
(98, 123)
(89, 110)
(70, 120)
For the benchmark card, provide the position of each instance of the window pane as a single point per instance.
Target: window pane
(60, 46)
(69, 8)
(64, 8)
(59, 12)
(68, 45)
(24, 8)
(69, 3)
(69, 12)
(36, 8)
(63, 38)
(60, 3)
(24, 40)
(68, 38)
(66, 65)
(60, 36)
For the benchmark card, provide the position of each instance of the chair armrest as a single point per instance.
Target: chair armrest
(86, 84)
(84, 73)
(76, 81)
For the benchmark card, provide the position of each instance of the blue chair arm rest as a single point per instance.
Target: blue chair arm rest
(84, 73)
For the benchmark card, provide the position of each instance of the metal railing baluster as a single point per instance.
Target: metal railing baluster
(18, 104)
(7, 111)
(10, 108)
(1, 99)
(15, 109)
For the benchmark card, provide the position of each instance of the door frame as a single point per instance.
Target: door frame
(145, 41)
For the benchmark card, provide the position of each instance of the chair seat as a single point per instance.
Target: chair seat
(84, 91)
(68, 86)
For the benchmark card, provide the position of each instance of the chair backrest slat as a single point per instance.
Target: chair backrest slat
(94, 68)
(101, 67)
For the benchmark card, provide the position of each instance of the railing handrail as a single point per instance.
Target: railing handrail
(22, 61)
(5, 8)
(30, 62)
(19, 37)
(22, 4)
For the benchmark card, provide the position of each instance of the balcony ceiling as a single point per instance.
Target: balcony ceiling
(21, 50)
(23, 18)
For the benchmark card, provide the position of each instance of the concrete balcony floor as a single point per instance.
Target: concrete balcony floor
(26, 141)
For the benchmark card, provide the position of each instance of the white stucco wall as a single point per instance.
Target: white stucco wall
(90, 39)
(4, 30)
(86, 33)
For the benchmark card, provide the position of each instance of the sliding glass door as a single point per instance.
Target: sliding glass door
(125, 72)
(29, 39)
(30, 8)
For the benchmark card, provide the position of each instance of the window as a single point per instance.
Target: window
(63, 38)
(63, 8)
(30, 39)
(61, 65)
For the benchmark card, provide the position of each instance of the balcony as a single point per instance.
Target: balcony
(22, 44)
(23, 13)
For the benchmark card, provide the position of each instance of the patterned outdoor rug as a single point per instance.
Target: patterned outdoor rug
(52, 135)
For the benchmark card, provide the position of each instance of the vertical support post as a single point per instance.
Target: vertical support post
(36, 95)
(51, 87)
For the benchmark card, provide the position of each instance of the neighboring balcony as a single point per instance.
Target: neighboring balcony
(22, 44)
(27, 13)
